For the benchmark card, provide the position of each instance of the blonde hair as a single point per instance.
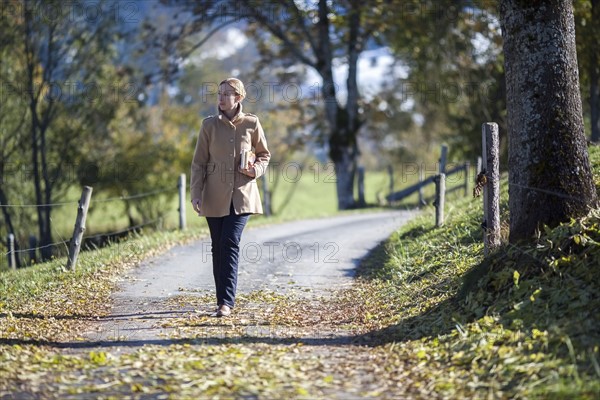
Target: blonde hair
(236, 84)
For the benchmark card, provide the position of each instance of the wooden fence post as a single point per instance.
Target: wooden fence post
(361, 186)
(443, 158)
(467, 173)
(12, 261)
(440, 194)
(491, 189)
(181, 187)
(421, 178)
(266, 196)
(82, 210)
(391, 176)
(33, 242)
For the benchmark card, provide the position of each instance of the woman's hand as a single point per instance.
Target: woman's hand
(196, 205)
(249, 170)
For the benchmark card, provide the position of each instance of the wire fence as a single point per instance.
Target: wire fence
(62, 204)
(481, 170)
(160, 220)
(111, 199)
(488, 179)
(89, 239)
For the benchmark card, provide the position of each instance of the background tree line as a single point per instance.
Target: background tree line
(112, 93)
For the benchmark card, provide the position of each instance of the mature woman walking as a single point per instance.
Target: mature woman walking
(222, 189)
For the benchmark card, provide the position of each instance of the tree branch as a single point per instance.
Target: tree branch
(280, 34)
(205, 39)
(309, 36)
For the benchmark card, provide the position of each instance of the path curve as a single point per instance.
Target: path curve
(311, 256)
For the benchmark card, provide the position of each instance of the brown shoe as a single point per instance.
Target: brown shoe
(224, 311)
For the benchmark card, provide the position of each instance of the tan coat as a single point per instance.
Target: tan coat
(215, 178)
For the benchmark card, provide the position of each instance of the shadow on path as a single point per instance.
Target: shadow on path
(213, 340)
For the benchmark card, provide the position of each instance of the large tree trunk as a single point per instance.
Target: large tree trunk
(342, 143)
(342, 150)
(343, 156)
(594, 74)
(549, 172)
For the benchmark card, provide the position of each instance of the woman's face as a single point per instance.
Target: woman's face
(228, 100)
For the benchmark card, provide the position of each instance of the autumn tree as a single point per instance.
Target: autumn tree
(549, 171)
(61, 85)
(12, 137)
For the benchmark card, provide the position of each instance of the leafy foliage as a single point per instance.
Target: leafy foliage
(454, 74)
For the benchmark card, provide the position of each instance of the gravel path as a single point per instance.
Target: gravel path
(308, 256)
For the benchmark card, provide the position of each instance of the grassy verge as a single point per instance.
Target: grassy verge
(521, 323)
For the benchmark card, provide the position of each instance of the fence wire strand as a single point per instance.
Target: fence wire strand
(66, 203)
(37, 248)
(157, 220)
(61, 204)
(131, 228)
(135, 196)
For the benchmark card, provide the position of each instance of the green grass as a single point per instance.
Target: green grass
(521, 323)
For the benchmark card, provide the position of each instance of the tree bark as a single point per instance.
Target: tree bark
(345, 171)
(550, 178)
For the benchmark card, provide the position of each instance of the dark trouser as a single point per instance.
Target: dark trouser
(225, 234)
